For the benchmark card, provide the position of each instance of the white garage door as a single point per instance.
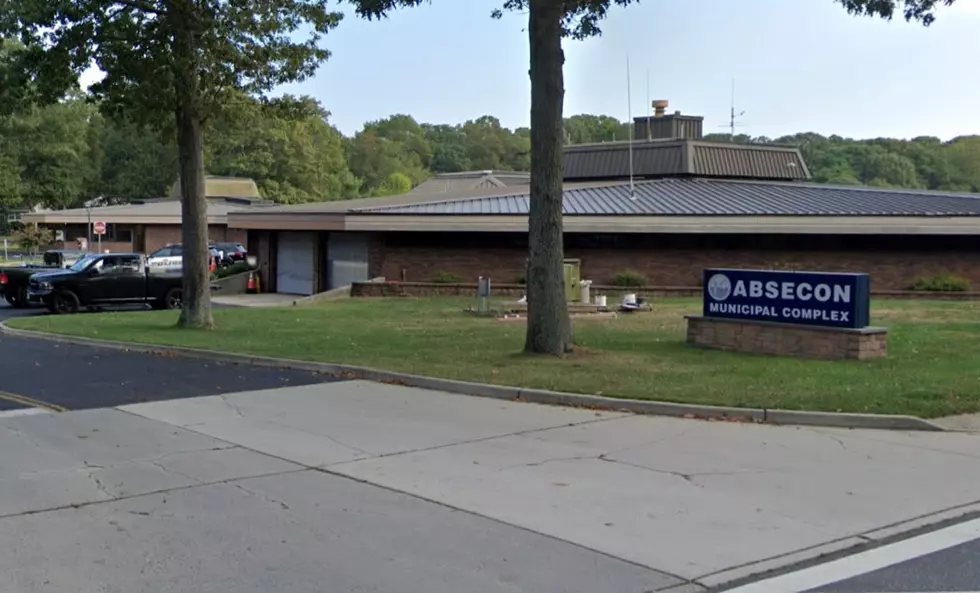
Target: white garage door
(294, 263)
(347, 259)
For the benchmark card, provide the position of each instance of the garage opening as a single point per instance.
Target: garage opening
(294, 263)
(347, 259)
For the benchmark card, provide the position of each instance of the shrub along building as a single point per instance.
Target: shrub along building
(148, 225)
(693, 204)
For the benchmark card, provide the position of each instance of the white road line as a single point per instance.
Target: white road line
(865, 562)
(23, 412)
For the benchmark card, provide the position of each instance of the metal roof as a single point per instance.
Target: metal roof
(684, 157)
(469, 181)
(699, 197)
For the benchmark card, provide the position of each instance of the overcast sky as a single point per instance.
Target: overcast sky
(799, 65)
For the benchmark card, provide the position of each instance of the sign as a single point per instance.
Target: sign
(98, 228)
(802, 298)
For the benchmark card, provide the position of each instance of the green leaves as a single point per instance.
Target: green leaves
(241, 45)
(913, 10)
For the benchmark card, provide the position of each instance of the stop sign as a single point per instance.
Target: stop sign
(99, 228)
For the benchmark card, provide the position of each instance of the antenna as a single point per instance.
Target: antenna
(732, 117)
(629, 107)
(649, 132)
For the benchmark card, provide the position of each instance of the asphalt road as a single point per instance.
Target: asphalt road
(952, 569)
(37, 373)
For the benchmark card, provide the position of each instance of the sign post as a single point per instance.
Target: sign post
(799, 298)
(99, 230)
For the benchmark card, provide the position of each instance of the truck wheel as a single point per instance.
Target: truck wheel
(64, 303)
(20, 299)
(174, 299)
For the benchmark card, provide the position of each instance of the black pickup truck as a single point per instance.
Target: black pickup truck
(14, 279)
(101, 280)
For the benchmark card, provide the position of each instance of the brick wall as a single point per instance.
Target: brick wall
(678, 260)
(787, 340)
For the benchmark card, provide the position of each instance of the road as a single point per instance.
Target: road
(940, 560)
(36, 373)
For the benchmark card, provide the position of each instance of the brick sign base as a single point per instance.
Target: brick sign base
(783, 339)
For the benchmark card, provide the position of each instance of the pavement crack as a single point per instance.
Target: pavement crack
(519, 433)
(268, 499)
(21, 435)
(324, 436)
(168, 470)
(99, 485)
(234, 407)
(686, 477)
(546, 461)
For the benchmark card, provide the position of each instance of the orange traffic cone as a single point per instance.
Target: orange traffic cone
(252, 286)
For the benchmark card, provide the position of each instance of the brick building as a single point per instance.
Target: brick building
(691, 204)
(148, 225)
(664, 230)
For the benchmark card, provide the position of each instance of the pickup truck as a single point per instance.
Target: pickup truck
(101, 280)
(14, 280)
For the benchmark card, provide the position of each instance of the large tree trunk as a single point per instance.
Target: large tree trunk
(196, 310)
(549, 329)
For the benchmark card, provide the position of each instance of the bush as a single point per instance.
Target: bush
(446, 278)
(33, 238)
(237, 268)
(629, 279)
(522, 281)
(941, 283)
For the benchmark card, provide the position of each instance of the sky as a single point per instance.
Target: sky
(798, 65)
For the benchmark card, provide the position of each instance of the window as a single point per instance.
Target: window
(121, 264)
(116, 234)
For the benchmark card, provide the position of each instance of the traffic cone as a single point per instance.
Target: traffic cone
(252, 286)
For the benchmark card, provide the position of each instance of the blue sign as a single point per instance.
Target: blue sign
(802, 298)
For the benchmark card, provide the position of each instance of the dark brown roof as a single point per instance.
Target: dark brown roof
(685, 158)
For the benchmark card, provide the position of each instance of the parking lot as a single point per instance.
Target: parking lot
(37, 373)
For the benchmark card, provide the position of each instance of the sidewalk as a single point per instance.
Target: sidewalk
(706, 502)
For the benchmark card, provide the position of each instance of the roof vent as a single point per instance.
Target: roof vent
(660, 107)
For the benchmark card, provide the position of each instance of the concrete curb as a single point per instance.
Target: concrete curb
(537, 396)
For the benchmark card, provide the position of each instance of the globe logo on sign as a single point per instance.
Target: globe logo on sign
(719, 287)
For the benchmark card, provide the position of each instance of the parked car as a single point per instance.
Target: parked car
(230, 254)
(104, 280)
(14, 280)
(171, 258)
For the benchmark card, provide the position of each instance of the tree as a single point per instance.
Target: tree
(33, 238)
(288, 148)
(913, 10)
(549, 329)
(171, 64)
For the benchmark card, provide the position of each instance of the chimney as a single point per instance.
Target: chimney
(661, 126)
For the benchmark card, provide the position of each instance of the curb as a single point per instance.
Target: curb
(536, 396)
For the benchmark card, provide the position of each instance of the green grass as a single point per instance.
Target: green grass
(933, 368)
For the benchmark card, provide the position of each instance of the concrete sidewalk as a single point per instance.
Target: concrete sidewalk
(704, 502)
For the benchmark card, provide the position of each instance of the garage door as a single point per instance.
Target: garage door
(294, 263)
(347, 259)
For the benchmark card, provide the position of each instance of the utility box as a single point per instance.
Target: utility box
(573, 275)
(572, 271)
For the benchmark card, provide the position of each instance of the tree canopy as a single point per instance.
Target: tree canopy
(61, 155)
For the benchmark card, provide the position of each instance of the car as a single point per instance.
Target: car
(171, 258)
(106, 279)
(231, 253)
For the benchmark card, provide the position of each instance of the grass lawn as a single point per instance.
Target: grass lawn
(933, 368)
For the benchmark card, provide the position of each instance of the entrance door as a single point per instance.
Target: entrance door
(347, 259)
(294, 263)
